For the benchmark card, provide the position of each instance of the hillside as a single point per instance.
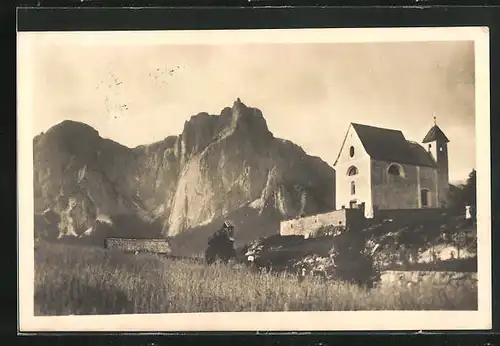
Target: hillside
(226, 165)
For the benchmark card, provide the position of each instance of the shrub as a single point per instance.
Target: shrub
(354, 260)
(328, 231)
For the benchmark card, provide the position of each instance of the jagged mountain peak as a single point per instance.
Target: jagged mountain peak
(203, 129)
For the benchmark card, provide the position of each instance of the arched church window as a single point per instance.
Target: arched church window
(395, 169)
(352, 171)
(353, 188)
(351, 151)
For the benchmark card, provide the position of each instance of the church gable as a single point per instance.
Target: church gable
(352, 173)
(351, 149)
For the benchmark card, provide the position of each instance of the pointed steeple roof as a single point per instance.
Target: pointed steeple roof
(435, 134)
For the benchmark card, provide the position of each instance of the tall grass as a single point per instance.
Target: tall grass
(77, 280)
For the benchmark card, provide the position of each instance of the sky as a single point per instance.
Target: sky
(308, 93)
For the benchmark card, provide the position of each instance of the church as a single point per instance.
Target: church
(379, 173)
(381, 169)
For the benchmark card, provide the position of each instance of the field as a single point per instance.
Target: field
(72, 279)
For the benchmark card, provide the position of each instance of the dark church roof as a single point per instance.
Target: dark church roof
(391, 145)
(434, 134)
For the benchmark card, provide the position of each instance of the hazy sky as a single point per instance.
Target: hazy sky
(307, 93)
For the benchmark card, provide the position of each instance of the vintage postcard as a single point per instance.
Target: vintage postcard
(254, 180)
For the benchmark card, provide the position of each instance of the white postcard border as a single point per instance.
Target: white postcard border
(256, 321)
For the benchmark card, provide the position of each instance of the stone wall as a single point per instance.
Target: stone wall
(139, 245)
(409, 278)
(444, 252)
(349, 217)
(309, 224)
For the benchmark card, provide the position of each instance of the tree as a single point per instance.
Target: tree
(469, 192)
(221, 245)
(463, 195)
(456, 204)
(354, 260)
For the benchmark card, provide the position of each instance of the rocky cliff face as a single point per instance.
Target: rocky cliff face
(218, 165)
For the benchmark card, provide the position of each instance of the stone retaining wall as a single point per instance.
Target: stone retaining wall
(408, 278)
(138, 245)
(308, 225)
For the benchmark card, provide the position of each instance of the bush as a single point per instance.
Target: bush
(354, 260)
(328, 231)
(220, 247)
(341, 257)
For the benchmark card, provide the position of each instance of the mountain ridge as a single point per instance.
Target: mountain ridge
(217, 165)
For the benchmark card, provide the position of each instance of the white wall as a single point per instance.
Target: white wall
(362, 180)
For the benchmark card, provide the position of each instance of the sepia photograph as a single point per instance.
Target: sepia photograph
(305, 179)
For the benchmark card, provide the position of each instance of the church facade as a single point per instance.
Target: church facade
(380, 169)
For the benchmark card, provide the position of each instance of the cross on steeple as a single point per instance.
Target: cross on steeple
(434, 120)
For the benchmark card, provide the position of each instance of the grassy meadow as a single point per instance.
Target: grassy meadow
(71, 279)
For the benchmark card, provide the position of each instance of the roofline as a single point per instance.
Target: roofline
(359, 137)
(343, 143)
(434, 162)
(381, 128)
(353, 124)
(445, 138)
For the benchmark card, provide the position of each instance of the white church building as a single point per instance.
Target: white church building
(379, 171)
(382, 169)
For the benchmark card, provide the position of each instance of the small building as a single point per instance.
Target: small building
(159, 246)
(384, 170)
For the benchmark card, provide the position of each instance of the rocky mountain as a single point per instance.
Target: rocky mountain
(226, 165)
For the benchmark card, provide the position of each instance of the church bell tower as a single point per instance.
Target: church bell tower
(437, 145)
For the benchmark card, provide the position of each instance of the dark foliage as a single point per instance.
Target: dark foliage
(354, 263)
(463, 195)
(329, 230)
(340, 256)
(467, 265)
(221, 246)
